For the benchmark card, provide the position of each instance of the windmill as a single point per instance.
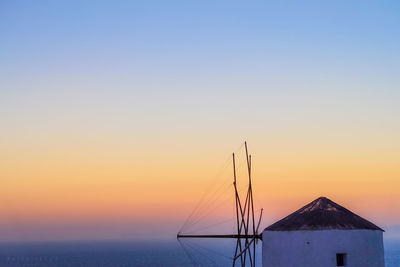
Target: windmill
(300, 239)
(246, 235)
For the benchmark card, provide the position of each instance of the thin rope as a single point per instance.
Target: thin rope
(210, 211)
(210, 226)
(187, 252)
(201, 253)
(201, 212)
(225, 165)
(211, 250)
(201, 209)
(206, 192)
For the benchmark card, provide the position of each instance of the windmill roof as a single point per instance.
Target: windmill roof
(322, 214)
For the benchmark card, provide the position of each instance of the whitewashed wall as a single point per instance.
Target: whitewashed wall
(364, 248)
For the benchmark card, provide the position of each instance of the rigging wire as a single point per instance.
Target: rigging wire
(202, 254)
(210, 250)
(210, 226)
(206, 206)
(225, 165)
(187, 252)
(210, 211)
(200, 203)
(204, 213)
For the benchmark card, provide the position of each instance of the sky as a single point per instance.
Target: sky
(116, 116)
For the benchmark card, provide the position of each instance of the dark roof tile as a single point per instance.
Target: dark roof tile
(322, 214)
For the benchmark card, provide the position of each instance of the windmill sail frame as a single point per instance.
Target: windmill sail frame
(247, 231)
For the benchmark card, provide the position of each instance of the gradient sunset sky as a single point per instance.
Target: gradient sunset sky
(116, 115)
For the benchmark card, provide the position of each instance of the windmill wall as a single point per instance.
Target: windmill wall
(359, 248)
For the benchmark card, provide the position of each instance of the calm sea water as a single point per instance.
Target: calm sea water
(134, 253)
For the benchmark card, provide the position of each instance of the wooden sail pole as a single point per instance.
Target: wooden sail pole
(237, 204)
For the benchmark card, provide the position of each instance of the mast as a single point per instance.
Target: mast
(251, 197)
(237, 204)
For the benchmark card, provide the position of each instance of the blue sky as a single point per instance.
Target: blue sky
(253, 46)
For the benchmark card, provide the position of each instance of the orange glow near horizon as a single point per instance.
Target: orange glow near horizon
(80, 186)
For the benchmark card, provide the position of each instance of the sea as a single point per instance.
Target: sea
(137, 253)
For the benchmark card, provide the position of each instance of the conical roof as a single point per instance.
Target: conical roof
(322, 214)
